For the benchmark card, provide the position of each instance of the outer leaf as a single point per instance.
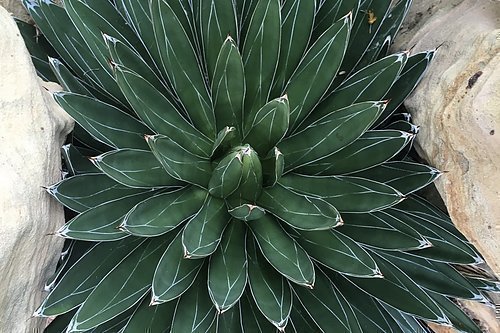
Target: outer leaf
(104, 122)
(123, 287)
(271, 291)
(300, 320)
(83, 192)
(157, 319)
(329, 11)
(347, 194)
(67, 80)
(227, 175)
(134, 168)
(327, 307)
(180, 162)
(156, 111)
(316, 71)
(195, 312)
(82, 277)
(406, 177)
(268, 125)
(181, 66)
(371, 149)
(299, 211)
(260, 52)
(459, 319)
(329, 134)
(227, 271)
(252, 320)
(203, 232)
(228, 86)
(101, 223)
(163, 212)
(273, 166)
(338, 252)
(174, 274)
(76, 162)
(405, 323)
(282, 252)
(229, 321)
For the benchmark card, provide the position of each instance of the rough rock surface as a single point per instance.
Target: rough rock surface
(16, 8)
(32, 128)
(457, 106)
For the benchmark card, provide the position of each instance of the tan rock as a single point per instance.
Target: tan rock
(16, 8)
(32, 128)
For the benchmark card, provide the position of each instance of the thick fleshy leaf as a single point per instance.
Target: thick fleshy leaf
(226, 138)
(406, 177)
(299, 211)
(271, 291)
(82, 277)
(217, 21)
(327, 307)
(228, 86)
(227, 270)
(163, 212)
(174, 274)
(180, 162)
(400, 291)
(158, 113)
(260, 52)
(266, 127)
(60, 323)
(134, 168)
(371, 149)
(123, 287)
(157, 319)
(297, 18)
(180, 64)
(369, 84)
(75, 162)
(251, 180)
(226, 176)
(230, 320)
(86, 191)
(242, 210)
(252, 320)
(195, 311)
(203, 232)
(338, 252)
(316, 71)
(459, 319)
(329, 134)
(282, 251)
(273, 166)
(300, 321)
(104, 122)
(101, 223)
(374, 229)
(405, 323)
(329, 11)
(67, 79)
(347, 194)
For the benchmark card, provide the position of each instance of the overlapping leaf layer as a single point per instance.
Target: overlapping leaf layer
(238, 166)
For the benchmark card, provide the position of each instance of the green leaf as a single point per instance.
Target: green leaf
(227, 271)
(123, 287)
(296, 26)
(329, 134)
(181, 66)
(226, 176)
(271, 291)
(374, 229)
(195, 311)
(228, 86)
(245, 212)
(299, 211)
(273, 166)
(459, 319)
(217, 21)
(203, 232)
(229, 321)
(405, 323)
(174, 274)
(226, 138)
(316, 71)
(347, 194)
(82, 277)
(179, 162)
(86, 191)
(164, 212)
(75, 162)
(134, 168)
(406, 177)
(60, 323)
(369, 84)
(266, 127)
(260, 52)
(300, 321)
(371, 149)
(252, 320)
(68, 80)
(400, 291)
(327, 307)
(338, 252)
(251, 180)
(158, 113)
(104, 122)
(101, 223)
(157, 319)
(330, 11)
(282, 252)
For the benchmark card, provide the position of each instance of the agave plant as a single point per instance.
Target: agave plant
(240, 166)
